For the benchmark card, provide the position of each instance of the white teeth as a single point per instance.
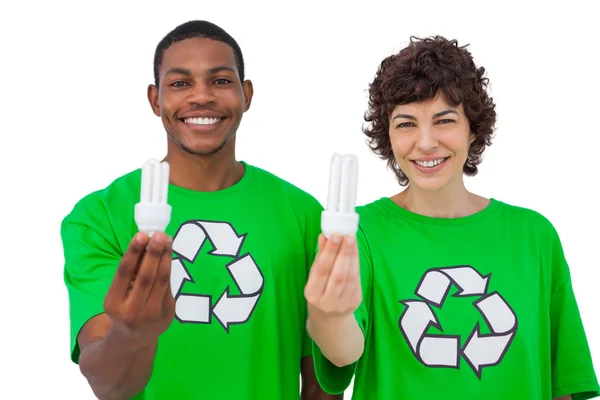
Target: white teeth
(202, 121)
(430, 164)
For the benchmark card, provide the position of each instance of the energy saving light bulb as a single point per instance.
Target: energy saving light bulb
(340, 214)
(153, 213)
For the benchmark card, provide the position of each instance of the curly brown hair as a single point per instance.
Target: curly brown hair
(419, 72)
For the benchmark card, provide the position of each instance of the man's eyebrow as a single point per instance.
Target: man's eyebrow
(187, 72)
(218, 69)
(178, 70)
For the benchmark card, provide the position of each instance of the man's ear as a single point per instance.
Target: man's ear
(248, 93)
(153, 99)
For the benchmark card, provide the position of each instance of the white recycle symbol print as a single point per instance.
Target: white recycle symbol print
(438, 350)
(228, 309)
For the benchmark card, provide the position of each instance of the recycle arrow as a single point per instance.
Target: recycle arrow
(431, 350)
(416, 320)
(488, 350)
(480, 350)
(228, 310)
(231, 310)
(436, 283)
(225, 240)
(179, 275)
(193, 308)
(190, 308)
(497, 313)
(188, 240)
(485, 350)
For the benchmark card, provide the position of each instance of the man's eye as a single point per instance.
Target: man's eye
(178, 84)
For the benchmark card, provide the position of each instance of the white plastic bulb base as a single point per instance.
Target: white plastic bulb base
(152, 217)
(338, 223)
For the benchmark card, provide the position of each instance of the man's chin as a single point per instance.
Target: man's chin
(204, 149)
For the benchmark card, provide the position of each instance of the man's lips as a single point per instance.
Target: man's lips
(202, 120)
(202, 124)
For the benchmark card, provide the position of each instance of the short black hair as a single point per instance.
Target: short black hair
(194, 29)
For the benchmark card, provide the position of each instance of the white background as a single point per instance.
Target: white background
(74, 116)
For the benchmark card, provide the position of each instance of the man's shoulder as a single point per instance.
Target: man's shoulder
(281, 186)
(119, 194)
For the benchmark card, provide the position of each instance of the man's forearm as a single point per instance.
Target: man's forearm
(319, 394)
(340, 340)
(316, 393)
(115, 369)
(311, 390)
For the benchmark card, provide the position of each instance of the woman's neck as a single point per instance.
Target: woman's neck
(449, 202)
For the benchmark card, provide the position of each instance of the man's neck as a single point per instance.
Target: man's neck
(208, 173)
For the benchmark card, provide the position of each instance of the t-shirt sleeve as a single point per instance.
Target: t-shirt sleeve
(572, 368)
(333, 379)
(91, 257)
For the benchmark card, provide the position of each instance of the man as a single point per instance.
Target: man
(213, 308)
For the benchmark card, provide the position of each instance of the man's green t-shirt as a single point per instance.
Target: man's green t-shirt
(479, 307)
(241, 258)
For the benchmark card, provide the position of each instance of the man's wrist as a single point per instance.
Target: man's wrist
(126, 345)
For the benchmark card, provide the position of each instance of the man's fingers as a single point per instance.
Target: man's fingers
(321, 268)
(162, 283)
(128, 268)
(168, 304)
(337, 277)
(146, 275)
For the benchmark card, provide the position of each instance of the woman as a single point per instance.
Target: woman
(458, 296)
